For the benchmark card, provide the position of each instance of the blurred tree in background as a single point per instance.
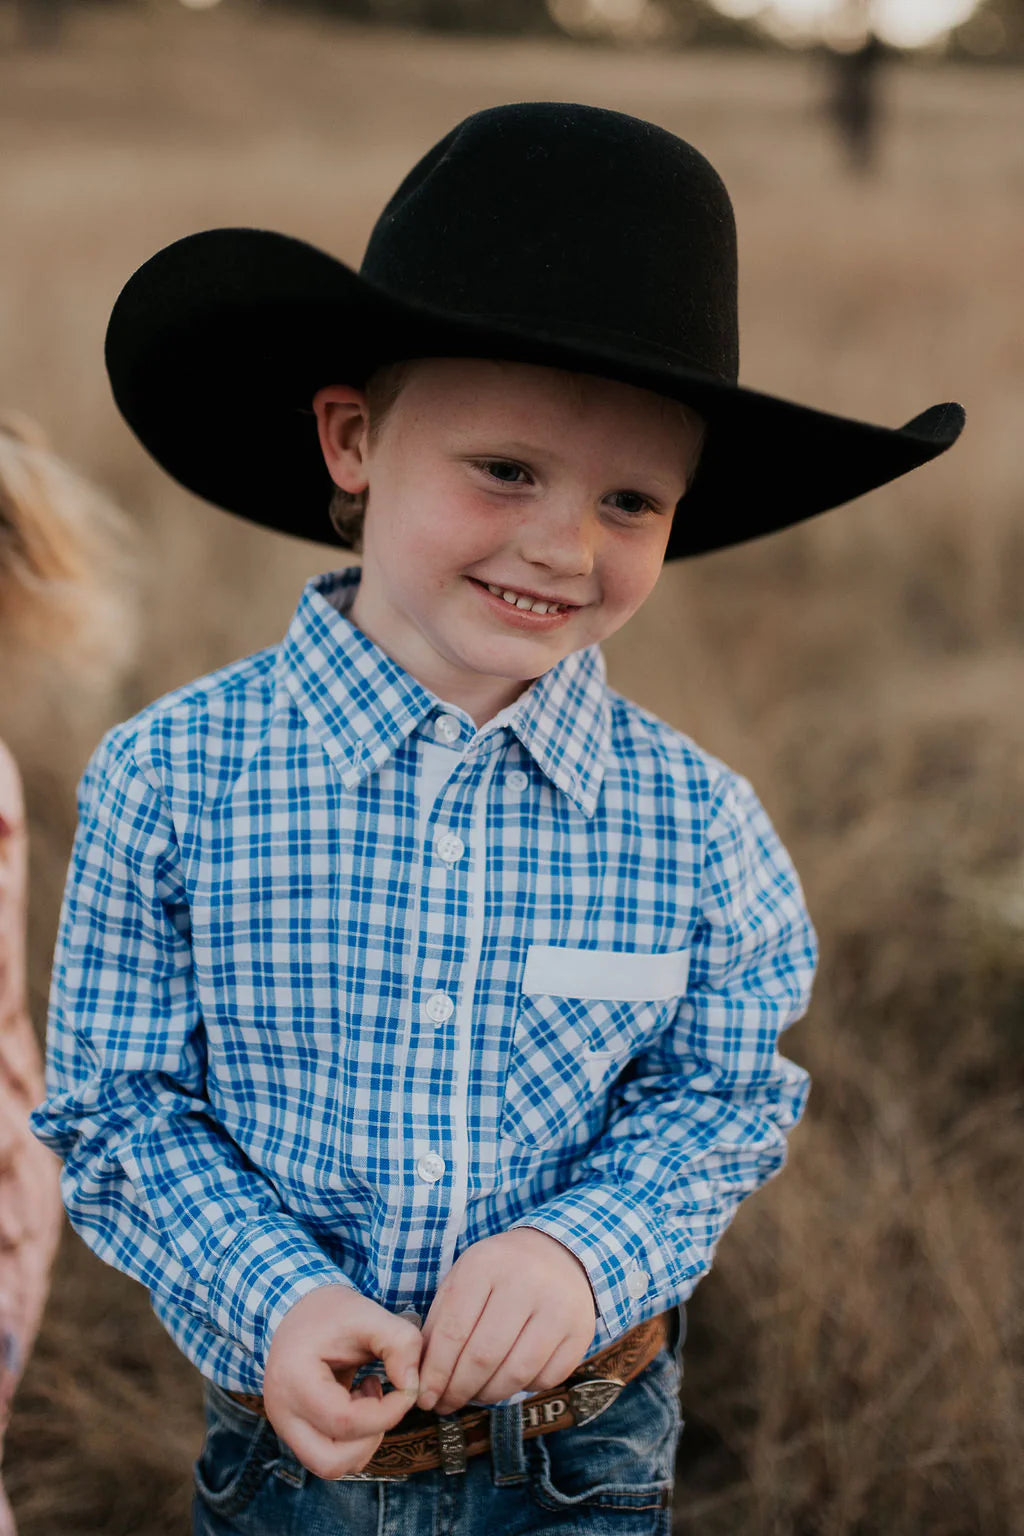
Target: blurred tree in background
(995, 30)
(993, 33)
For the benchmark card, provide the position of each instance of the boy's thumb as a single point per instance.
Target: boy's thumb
(400, 1352)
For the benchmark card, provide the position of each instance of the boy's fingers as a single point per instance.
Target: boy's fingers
(457, 1374)
(364, 1416)
(342, 1415)
(529, 1357)
(400, 1349)
(489, 1344)
(445, 1332)
(325, 1457)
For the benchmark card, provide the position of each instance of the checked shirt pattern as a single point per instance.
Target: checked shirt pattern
(314, 1023)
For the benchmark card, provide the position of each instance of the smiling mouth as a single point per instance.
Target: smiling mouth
(524, 601)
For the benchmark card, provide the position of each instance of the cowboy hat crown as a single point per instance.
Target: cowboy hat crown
(549, 233)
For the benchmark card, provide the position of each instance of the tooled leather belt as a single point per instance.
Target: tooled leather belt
(423, 1441)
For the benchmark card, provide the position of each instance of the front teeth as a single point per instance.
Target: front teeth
(534, 605)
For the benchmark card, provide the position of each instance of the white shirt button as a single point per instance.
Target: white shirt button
(516, 780)
(414, 1317)
(447, 729)
(637, 1282)
(438, 1007)
(449, 847)
(430, 1167)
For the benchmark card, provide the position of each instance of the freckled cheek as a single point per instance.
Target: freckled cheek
(452, 533)
(625, 592)
(467, 543)
(424, 546)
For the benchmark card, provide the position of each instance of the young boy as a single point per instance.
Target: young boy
(417, 998)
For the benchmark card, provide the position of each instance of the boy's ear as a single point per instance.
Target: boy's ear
(343, 420)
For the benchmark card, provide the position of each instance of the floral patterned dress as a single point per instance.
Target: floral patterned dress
(30, 1207)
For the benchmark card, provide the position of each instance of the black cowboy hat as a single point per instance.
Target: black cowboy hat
(542, 232)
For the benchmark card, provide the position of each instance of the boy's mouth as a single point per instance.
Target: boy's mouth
(528, 602)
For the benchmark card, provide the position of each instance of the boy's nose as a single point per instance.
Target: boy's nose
(561, 539)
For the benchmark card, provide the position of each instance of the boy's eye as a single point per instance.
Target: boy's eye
(632, 503)
(505, 470)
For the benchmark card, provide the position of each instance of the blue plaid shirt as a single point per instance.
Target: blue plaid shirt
(320, 1015)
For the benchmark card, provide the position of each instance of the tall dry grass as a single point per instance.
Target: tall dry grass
(855, 1357)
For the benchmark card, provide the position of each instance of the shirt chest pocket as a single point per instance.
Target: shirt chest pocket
(583, 1014)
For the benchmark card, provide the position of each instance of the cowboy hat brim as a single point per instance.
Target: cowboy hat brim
(217, 344)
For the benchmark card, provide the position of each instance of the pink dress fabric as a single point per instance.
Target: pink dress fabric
(30, 1206)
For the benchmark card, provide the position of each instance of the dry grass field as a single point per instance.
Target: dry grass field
(856, 1356)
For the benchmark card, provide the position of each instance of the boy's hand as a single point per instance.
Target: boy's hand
(515, 1311)
(314, 1355)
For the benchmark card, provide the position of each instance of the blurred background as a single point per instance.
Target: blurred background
(855, 1358)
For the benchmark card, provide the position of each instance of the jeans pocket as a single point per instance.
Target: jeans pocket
(622, 1460)
(239, 1449)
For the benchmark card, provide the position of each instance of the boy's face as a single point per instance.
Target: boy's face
(489, 478)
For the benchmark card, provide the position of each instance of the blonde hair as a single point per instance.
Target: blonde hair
(66, 557)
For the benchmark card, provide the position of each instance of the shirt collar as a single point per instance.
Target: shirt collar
(564, 722)
(362, 705)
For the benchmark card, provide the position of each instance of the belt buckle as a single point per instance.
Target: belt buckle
(591, 1397)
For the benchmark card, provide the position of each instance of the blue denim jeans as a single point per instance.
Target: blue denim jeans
(611, 1477)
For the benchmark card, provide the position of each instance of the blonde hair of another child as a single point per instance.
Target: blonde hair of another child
(65, 558)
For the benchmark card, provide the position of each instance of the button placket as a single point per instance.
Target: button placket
(447, 958)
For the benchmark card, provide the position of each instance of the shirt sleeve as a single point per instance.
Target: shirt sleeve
(151, 1180)
(700, 1119)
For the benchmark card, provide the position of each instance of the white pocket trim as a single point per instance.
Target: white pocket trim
(617, 975)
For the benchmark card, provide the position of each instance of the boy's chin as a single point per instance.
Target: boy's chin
(524, 668)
